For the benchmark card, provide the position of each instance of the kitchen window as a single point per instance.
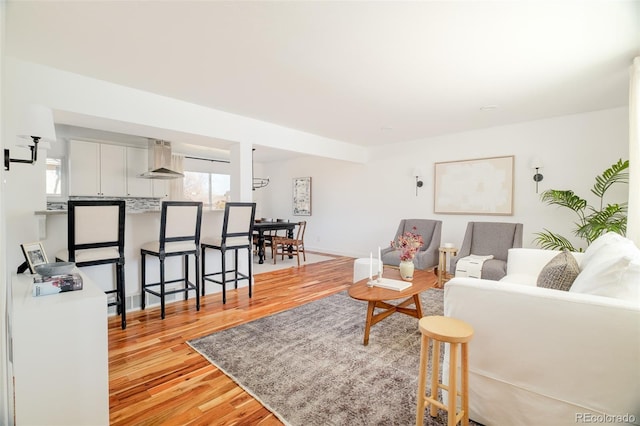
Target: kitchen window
(210, 188)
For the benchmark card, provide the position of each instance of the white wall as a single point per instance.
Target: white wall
(356, 207)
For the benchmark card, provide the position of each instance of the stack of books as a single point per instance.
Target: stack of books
(43, 286)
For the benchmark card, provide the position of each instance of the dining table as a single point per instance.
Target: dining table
(262, 226)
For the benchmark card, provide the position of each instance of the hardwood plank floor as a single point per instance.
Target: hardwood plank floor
(155, 378)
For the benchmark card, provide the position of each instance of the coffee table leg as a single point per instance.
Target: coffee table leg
(416, 301)
(370, 308)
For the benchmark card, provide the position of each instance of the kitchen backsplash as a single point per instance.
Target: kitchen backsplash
(134, 204)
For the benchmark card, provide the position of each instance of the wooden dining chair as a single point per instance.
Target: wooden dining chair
(290, 246)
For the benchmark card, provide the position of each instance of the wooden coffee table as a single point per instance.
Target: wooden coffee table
(376, 296)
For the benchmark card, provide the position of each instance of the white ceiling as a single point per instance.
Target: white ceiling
(363, 72)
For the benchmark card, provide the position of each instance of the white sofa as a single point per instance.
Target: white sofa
(541, 356)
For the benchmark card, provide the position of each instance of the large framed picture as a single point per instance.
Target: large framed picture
(477, 186)
(34, 254)
(302, 196)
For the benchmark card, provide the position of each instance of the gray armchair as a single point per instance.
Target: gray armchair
(427, 256)
(490, 238)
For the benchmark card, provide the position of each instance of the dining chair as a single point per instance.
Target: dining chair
(290, 246)
(180, 224)
(237, 231)
(95, 236)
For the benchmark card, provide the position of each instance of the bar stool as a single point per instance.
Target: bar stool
(180, 223)
(455, 332)
(95, 236)
(237, 230)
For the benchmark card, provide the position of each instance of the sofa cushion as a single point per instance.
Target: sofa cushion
(560, 272)
(610, 244)
(609, 268)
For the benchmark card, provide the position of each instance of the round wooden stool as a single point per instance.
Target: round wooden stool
(455, 332)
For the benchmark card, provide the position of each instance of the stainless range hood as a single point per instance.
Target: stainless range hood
(160, 161)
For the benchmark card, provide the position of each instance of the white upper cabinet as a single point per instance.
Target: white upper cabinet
(113, 170)
(84, 168)
(137, 162)
(97, 169)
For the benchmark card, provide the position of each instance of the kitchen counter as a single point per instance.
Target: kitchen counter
(59, 212)
(141, 226)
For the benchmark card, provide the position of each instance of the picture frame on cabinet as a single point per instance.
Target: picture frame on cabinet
(34, 255)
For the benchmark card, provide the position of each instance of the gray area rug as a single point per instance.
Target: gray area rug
(309, 367)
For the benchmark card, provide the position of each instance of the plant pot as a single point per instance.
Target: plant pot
(406, 270)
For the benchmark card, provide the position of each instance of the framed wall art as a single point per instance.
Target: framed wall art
(477, 186)
(34, 254)
(302, 196)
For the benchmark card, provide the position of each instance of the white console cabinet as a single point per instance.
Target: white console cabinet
(59, 355)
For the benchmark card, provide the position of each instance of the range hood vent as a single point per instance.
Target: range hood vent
(160, 161)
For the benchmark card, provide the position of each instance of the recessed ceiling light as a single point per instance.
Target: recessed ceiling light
(488, 107)
(385, 128)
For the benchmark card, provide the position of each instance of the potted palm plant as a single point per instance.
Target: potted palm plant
(592, 221)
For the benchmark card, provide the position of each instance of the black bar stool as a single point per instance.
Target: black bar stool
(237, 230)
(95, 236)
(180, 223)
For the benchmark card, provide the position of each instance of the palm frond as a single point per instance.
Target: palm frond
(564, 198)
(613, 218)
(617, 173)
(550, 241)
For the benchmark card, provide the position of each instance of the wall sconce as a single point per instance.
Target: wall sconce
(37, 125)
(417, 173)
(536, 164)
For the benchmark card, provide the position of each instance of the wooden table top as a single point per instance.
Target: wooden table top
(422, 280)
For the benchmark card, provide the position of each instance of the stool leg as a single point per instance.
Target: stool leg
(435, 375)
(250, 260)
(162, 287)
(143, 297)
(235, 263)
(186, 276)
(197, 282)
(453, 384)
(121, 294)
(202, 274)
(422, 379)
(465, 383)
(224, 277)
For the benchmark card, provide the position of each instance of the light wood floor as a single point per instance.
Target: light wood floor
(155, 378)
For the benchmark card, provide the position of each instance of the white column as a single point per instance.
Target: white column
(241, 172)
(633, 221)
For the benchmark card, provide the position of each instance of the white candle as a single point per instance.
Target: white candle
(379, 262)
(370, 265)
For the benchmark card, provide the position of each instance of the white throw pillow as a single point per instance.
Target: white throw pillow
(606, 271)
(609, 242)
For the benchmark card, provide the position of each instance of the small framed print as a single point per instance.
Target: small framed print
(34, 254)
(302, 196)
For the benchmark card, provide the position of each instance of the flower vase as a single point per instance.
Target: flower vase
(406, 270)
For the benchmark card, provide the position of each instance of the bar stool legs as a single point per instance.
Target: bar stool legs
(455, 332)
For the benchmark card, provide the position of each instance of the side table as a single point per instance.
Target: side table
(442, 264)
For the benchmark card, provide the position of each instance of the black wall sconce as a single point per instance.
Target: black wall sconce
(38, 125)
(537, 177)
(419, 183)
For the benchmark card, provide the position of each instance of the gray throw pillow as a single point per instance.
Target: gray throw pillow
(560, 272)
